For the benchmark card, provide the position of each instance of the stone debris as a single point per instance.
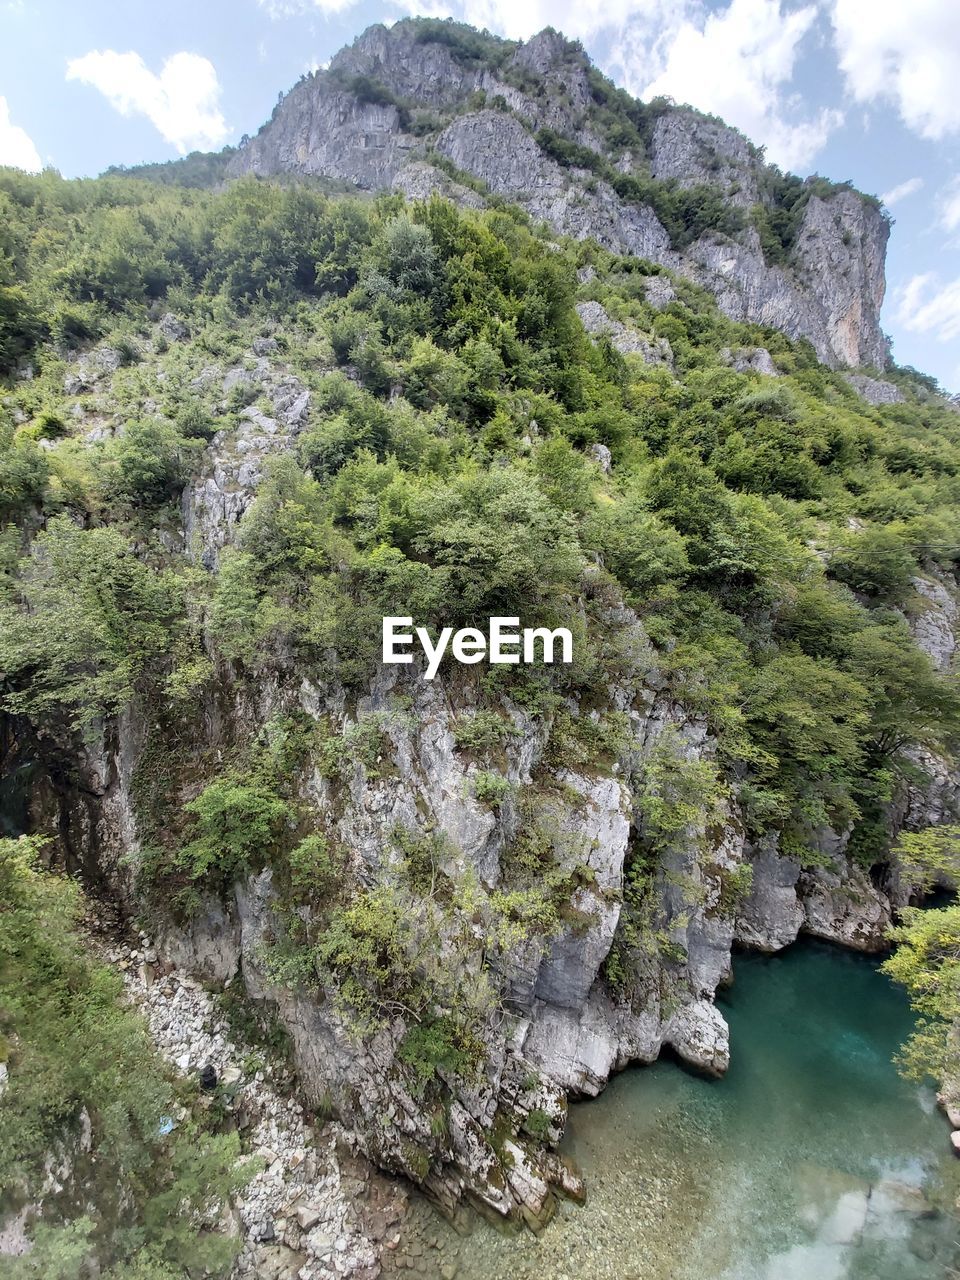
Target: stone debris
(299, 1214)
(601, 456)
(173, 328)
(659, 292)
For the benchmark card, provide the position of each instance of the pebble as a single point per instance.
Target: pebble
(188, 1028)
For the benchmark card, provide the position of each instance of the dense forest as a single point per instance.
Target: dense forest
(469, 451)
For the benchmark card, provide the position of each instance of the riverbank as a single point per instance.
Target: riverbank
(811, 1160)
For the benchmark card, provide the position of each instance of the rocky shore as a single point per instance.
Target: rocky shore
(313, 1210)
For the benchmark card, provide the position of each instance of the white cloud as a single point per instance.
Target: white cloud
(926, 305)
(736, 63)
(182, 102)
(290, 8)
(901, 191)
(908, 54)
(948, 206)
(515, 20)
(16, 145)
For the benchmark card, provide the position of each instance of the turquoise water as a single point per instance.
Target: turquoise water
(811, 1160)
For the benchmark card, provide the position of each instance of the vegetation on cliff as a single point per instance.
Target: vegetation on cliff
(87, 1103)
(453, 465)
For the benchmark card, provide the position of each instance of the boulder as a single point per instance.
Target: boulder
(173, 328)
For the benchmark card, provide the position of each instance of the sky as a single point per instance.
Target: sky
(867, 90)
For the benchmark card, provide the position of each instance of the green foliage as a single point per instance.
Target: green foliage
(927, 963)
(469, 46)
(78, 1055)
(928, 855)
(586, 741)
(876, 561)
(677, 792)
(238, 822)
(94, 620)
(24, 474)
(643, 552)
(149, 463)
(490, 788)
(538, 1124)
(481, 729)
(20, 326)
(436, 1045)
(807, 721)
(314, 870)
(735, 885)
(765, 533)
(198, 169)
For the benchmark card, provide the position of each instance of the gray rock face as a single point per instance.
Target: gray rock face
(173, 328)
(499, 151)
(934, 624)
(659, 292)
(409, 68)
(843, 906)
(623, 338)
(772, 914)
(572, 1003)
(837, 903)
(321, 129)
(692, 149)
(830, 293)
(751, 360)
(215, 500)
(842, 246)
(418, 181)
(874, 390)
(568, 970)
(564, 1028)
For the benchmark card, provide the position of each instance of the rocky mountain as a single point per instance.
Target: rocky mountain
(240, 426)
(430, 106)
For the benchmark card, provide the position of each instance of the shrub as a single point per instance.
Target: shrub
(80, 1055)
(491, 788)
(147, 463)
(238, 822)
(481, 729)
(314, 870)
(194, 423)
(97, 623)
(876, 561)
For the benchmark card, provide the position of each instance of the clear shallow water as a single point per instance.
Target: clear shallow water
(811, 1160)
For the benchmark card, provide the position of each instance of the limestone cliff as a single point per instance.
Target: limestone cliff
(412, 110)
(629, 972)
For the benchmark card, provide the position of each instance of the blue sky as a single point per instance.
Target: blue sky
(860, 89)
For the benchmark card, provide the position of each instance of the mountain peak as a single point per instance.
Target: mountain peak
(412, 106)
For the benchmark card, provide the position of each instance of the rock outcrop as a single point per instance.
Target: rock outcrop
(398, 102)
(630, 965)
(624, 338)
(295, 1216)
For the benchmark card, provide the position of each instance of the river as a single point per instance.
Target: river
(811, 1160)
